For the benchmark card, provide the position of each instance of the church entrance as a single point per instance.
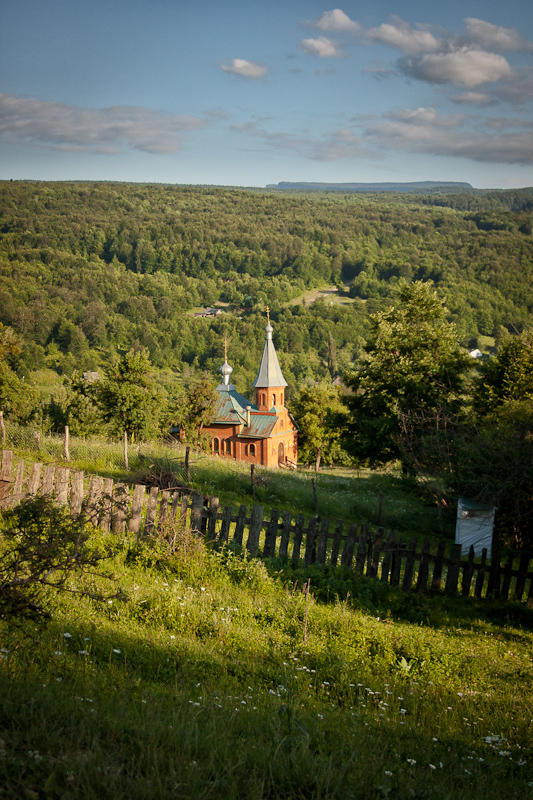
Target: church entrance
(281, 453)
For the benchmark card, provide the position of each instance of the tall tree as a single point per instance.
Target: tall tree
(412, 362)
(128, 397)
(321, 416)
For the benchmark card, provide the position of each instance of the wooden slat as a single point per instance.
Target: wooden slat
(521, 577)
(76, 493)
(409, 564)
(196, 512)
(481, 571)
(151, 510)
(507, 575)
(322, 545)
(18, 492)
(349, 545)
(468, 572)
(34, 479)
(239, 526)
(396, 564)
(49, 474)
(436, 580)
(336, 545)
(297, 539)
(121, 501)
(95, 497)
(423, 569)
(136, 509)
(454, 564)
(387, 557)
(285, 534)
(5, 478)
(493, 588)
(361, 550)
(310, 544)
(62, 486)
(254, 531)
(271, 535)
(163, 509)
(225, 526)
(212, 521)
(376, 550)
(107, 505)
(176, 498)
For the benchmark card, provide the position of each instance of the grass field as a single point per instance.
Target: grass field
(218, 677)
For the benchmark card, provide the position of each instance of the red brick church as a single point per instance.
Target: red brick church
(262, 432)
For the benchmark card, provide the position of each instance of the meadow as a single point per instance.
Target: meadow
(218, 676)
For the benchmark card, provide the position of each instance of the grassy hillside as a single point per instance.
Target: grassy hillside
(219, 678)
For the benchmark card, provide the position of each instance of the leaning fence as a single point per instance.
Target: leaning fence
(119, 507)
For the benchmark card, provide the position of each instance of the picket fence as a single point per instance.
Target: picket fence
(374, 553)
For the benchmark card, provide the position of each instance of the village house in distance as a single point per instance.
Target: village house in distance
(262, 432)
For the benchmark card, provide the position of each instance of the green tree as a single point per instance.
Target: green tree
(195, 408)
(128, 397)
(321, 416)
(17, 398)
(507, 377)
(412, 362)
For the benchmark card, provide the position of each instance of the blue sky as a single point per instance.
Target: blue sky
(252, 92)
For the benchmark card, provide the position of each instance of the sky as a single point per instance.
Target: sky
(253, 92)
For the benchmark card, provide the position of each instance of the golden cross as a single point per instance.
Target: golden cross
(268, 315)
(225, 349)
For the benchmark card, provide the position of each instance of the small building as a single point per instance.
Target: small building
(262, 432)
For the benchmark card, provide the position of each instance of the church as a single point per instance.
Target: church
(262, 432)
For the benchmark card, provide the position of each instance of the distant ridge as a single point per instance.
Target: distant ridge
(417, 186)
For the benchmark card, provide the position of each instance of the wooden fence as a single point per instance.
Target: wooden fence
(375, 553)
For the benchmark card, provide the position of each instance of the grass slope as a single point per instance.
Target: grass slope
(219, 678)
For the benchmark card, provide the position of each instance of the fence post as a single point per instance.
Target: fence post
(521, 577)
(120, 506)
(480, 579)
(2, 427)
(76, 494)
(66, 450)
(361, 550)
(93, 502)
(212, 522)
(107, 505)
(373, 569)
(387, 558)
(62, 486)
(49, 473)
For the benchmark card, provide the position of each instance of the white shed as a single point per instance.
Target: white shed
(475, 525)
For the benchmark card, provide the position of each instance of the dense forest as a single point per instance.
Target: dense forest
(91, 269)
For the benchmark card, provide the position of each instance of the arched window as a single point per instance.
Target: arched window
(281, 399)
(282, 423)
(216, 445)
(263, 400)
(273, 399)
(228, 446)
(251, 450)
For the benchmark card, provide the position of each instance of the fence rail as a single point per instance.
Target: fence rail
(375, 553)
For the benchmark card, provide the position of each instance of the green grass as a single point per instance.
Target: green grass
(208, 683)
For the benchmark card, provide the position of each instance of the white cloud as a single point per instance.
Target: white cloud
(494, 37)
(465, 67)
(472, 98)
(336, 20)
(399, 34)
(247, 69)
(321, 47)
(98, 130)
(455, 135)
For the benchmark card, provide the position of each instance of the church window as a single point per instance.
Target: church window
(216, 445)
(251, 450)
(273, 399)
(228, 446)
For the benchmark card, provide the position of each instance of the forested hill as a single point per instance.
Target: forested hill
(416, 186)
(87, 269)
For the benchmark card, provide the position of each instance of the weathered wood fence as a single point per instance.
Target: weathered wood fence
(375, 553)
